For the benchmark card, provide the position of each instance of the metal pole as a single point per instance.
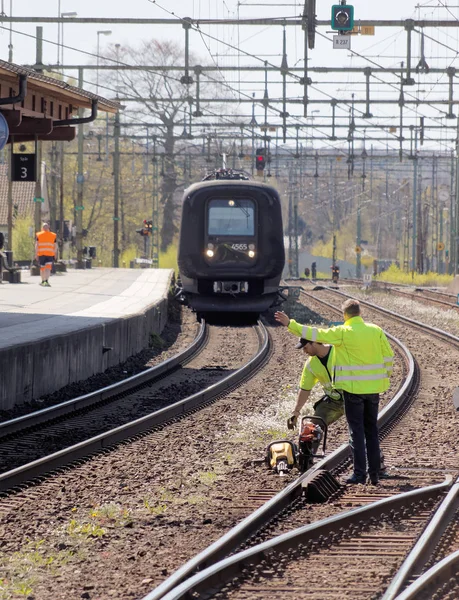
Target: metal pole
(358, 266)
(290, 224)
(37, 210)
(415, 206)
(116, 175)
(10, 45)
(455, 220)
(452, 196)
(61, 202)
(53, 198)
(58, 31)
(10, 198)
(295, 228)
(441, 269)
(79, 207)
(97, 59)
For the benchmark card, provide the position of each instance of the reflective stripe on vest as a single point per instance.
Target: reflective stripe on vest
(355, 342)
(374, 377)
(313, 335)
(360, 368)
(45, 243)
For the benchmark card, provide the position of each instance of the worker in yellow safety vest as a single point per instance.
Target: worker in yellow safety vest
(45, 253)
(318, 369)
(362, 366)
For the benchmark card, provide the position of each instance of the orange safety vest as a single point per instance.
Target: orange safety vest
(45, 242)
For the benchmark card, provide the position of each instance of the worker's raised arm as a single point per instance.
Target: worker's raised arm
(332, 335)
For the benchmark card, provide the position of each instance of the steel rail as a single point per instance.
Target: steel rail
(424, 547)
(242, 531)
(139, 426)
(387, 285)
(108, 393)
(225, 570)
(428, 328)
(439, 574)
(428, 298)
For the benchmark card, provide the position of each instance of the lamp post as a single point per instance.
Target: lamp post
(64, 14)
(99, 33)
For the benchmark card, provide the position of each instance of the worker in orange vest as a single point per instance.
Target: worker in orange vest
(45, 252)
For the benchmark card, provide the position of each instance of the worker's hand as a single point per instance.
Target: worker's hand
(292, 421)
(282, 318)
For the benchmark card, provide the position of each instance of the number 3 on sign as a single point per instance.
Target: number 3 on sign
(23, 172)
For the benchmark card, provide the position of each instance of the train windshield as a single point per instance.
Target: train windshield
(231, 217)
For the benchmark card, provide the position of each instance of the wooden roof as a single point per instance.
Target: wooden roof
(47, 105)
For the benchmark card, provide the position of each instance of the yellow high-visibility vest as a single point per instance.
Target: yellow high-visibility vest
(314, 371)
(363, 357)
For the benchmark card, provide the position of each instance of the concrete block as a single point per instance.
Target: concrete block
(453, 287)
(42, 367)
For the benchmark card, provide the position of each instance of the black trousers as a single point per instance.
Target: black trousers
(362, 417)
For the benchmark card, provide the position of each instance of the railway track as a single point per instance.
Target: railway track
(286, 511)
(47, 440)
(443, 299)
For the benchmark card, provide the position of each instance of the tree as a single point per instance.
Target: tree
(163, 99)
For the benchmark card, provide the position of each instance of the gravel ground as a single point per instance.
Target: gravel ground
(433, 315)
(118, 525)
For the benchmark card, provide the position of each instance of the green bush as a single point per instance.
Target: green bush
(396, 275)
(168, 259)
(23, 244)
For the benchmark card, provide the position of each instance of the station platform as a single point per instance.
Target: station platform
(84, 323)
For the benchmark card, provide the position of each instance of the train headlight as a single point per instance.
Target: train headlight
(209, 253)
(251, 246)
(210, 246)
(231, 202)
(251, 253)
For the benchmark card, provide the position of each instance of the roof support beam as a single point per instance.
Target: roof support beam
(21, 94)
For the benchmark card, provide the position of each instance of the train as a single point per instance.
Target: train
(231, 246)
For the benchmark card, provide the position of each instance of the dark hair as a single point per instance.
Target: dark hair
(351, 307)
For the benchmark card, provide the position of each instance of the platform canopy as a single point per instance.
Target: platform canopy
(36, 106)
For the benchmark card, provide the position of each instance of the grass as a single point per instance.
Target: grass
(271, 424)
(21, 569)
(111, 514)
(160, 505)
(168, 259)
(396, 275)
(154, 508)
(156, 341)
(207, 477)
(85, 530)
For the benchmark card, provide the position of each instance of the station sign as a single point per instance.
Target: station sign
(341, 42)
(24, 167)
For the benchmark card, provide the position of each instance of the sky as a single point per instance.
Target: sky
(244, 45)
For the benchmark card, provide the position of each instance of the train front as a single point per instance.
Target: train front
(231, 253)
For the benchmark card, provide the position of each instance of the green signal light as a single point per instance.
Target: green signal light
(342, 17)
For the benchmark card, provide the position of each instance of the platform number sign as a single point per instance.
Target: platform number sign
(24, 167)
